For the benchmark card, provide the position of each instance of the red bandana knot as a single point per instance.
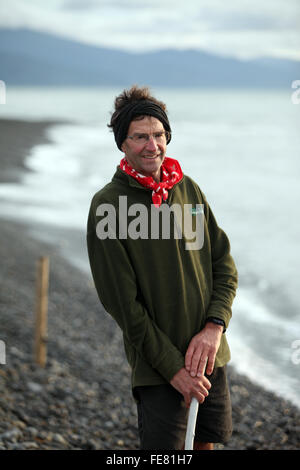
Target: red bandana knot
(171, 174)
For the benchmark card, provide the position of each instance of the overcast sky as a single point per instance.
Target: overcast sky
(238, 28)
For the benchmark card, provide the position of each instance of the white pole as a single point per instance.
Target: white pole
(192, 418)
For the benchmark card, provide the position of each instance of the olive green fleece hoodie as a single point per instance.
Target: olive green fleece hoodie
(159, 292)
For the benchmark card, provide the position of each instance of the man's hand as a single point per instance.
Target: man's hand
(202, 350)
(191, 387)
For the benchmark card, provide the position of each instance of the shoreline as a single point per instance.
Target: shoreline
(82, 399)
(17, 138)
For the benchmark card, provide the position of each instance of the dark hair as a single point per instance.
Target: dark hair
(134, 104)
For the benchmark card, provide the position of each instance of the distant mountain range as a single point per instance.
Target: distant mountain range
(35, 58)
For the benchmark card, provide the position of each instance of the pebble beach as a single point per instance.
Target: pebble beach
(82, 398)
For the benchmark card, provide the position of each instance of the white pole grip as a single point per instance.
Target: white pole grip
(191, 425)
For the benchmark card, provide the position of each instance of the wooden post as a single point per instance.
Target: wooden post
(41, 311)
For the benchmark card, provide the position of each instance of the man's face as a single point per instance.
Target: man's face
(146, 158)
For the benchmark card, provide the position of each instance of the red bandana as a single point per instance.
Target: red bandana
(171, 174)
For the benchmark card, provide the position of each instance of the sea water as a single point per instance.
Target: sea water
(241, 146)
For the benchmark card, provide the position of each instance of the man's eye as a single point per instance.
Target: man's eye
(142, 136)
(158, 135)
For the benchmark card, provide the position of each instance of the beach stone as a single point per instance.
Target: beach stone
(59, 438)
(30, 445)
(32, 431)
(109, 425)
(48, 436)
(11, 435)
(16, 352)
(92, 445)
(34, 387)
(16, 446)
(258, 424)
(19, 424)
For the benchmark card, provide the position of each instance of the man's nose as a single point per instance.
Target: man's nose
(151, 144)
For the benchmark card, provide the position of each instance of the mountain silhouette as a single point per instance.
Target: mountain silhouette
(29, 57)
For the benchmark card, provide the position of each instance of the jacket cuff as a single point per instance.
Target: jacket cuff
(170, 365)
(219, 312)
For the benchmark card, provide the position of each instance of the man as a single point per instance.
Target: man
(171, 299)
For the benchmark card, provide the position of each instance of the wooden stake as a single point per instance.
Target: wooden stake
(41, 311)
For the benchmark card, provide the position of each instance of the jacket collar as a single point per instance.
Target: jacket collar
(123, 178)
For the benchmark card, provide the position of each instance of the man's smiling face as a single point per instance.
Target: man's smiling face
(146, 157)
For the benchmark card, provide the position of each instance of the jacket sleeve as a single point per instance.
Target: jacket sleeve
(224, 272)
(117, 288)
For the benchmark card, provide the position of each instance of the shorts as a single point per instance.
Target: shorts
(162, 414)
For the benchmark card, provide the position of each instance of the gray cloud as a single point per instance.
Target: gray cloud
(79, 4)
(241, 28)
(100, 4)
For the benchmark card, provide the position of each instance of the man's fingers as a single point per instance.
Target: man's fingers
(188, 357)
(200, 390)
(210, 364)
(206, 365)
(202, 365)
(196, 359)
(206, 382)
(199, 396)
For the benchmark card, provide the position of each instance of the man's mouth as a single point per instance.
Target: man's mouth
(150, 157)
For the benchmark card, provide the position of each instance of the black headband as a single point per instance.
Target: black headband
(124, 117)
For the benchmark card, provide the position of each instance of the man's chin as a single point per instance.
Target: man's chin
(151, 167)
